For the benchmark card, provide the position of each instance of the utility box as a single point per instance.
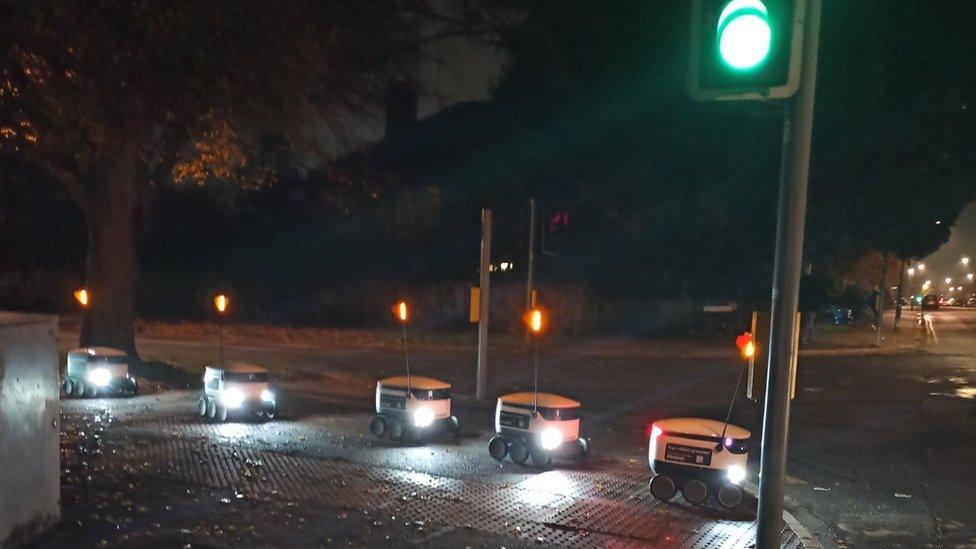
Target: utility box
(29, 426)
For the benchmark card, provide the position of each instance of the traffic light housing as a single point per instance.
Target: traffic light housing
(745, 49)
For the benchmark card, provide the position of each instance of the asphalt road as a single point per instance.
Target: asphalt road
(882, 446)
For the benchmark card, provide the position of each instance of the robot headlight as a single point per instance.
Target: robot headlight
(232, 397)
(551, 438)
(423, 417)
(100, 377)
(736, 474)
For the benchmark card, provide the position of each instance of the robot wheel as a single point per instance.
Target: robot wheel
(663, 487)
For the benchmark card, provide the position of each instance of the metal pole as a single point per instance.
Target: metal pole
(220, 340)
(483, 304)
(882, 286)
(406, 356)
(531, 269)
(797, 131)
(901, 285)
(535, 383)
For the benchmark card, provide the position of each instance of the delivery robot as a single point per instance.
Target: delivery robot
(413, 407)
(238, 389)
(537, 425)
(98, 371)
(699, 457)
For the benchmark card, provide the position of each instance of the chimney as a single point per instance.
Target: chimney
(401, 108)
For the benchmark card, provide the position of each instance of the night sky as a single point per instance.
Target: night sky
(945, 262)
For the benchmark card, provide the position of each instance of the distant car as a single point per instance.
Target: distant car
(931, 303)
(971, 302)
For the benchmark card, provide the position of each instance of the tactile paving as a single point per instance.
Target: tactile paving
(574, 508)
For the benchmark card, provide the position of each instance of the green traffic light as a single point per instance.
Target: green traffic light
(744, 34)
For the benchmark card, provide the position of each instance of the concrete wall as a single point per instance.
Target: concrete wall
(30, 484)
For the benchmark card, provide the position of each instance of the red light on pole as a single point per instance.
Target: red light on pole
(535, 319)
(745, 344)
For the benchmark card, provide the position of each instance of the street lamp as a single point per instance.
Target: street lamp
(948, 280)
(965, 261)
(921, 267)
(911, 272)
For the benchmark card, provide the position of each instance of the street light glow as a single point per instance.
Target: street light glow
(921, 267)
(965, 260)
(744, 34)
(911, 271)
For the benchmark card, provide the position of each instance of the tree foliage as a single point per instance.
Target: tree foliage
(112, 97)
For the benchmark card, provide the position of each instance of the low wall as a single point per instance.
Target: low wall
(29, 426)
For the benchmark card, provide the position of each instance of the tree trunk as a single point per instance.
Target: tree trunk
(111, 215)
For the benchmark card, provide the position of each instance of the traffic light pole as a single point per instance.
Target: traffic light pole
(794, 171)
(481, 380)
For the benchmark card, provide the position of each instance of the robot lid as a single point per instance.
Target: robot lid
(700, 427)
(546, 400)
(98, 351)
(416, 382)
(239, 368)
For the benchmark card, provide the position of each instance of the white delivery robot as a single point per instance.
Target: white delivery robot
(93, 371)
(699, 457)
(540, 425)
(413, 406)
(236, 388)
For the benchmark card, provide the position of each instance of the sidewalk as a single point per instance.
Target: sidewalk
(145, 471)
(303, 480)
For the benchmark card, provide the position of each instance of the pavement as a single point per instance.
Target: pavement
(881, 455)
